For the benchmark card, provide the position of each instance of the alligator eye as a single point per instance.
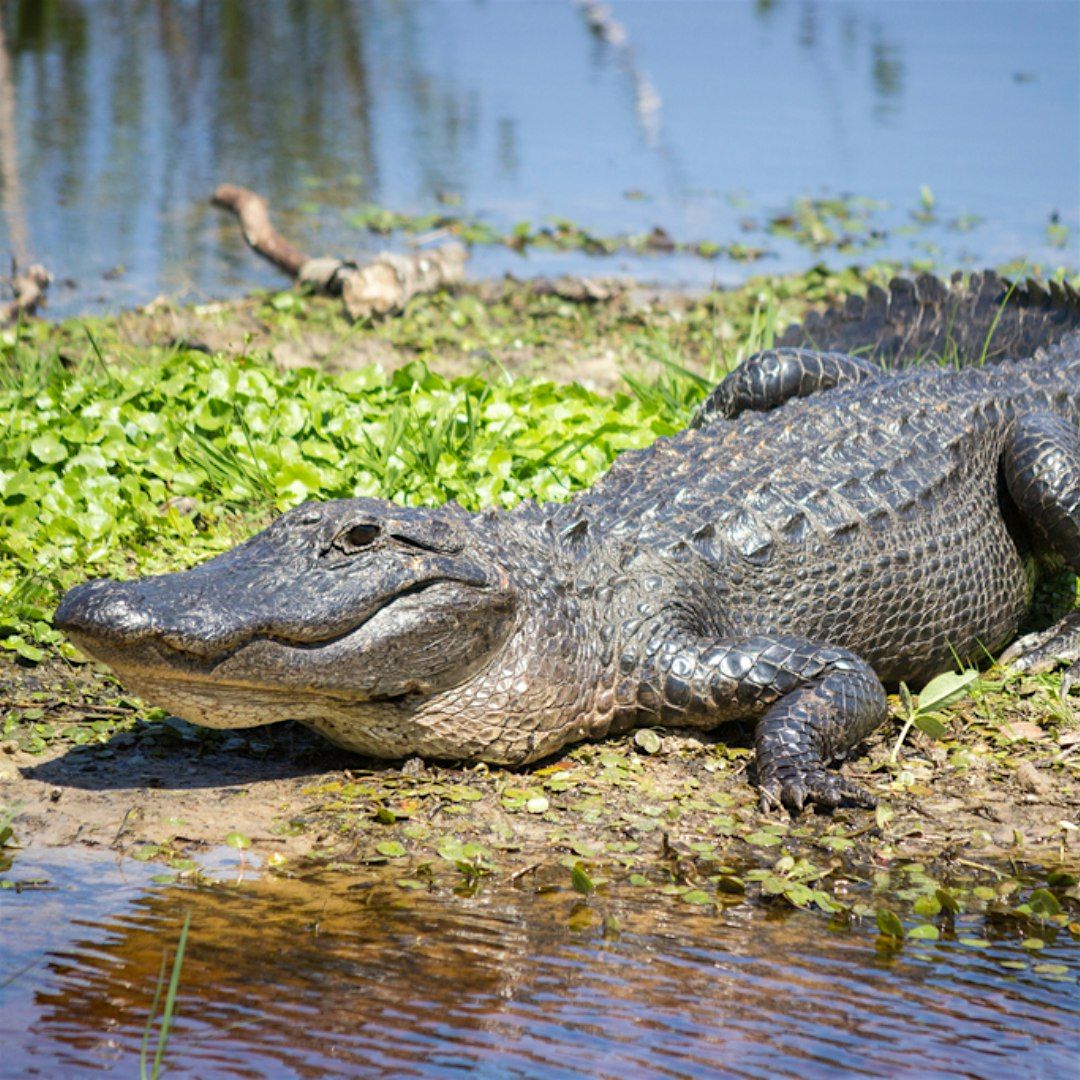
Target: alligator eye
(356, 537)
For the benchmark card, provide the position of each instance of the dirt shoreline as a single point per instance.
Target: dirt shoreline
(685, 813)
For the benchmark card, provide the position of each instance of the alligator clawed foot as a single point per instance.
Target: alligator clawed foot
(818, 786)
(1034, 654)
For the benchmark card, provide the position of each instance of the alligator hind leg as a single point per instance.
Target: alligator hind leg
(815, 702)
(768, 379)
(1042, 473)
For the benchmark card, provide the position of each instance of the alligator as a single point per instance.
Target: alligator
(838, 517)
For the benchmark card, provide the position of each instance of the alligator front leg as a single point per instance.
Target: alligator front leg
(1042, 472)
(815, 703)
(768, 379)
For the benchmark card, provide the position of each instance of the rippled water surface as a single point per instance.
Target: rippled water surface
(353, 975)
(704, 118)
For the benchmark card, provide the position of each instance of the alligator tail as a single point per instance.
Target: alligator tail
(985, 319)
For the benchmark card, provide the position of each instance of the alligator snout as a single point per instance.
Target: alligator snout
(123, 614)
(103, 609)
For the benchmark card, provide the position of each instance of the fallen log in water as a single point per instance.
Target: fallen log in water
(382, 286)
(254, 217)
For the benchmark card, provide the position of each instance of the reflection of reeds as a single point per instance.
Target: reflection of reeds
(9, 164)
(647, 100)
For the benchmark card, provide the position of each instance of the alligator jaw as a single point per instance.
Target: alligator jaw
(387, 728)
(378, 689)
(365, 663)
(117, 633)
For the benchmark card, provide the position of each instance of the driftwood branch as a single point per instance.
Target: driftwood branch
(382, 286)
(254, 217)
(387, 283)
(29, 289)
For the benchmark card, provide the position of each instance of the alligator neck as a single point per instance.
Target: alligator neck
(547, 684)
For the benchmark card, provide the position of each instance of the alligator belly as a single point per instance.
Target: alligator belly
(909, 600)
(959, 601)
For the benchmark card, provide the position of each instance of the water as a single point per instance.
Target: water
(126, 116)
(340, 975)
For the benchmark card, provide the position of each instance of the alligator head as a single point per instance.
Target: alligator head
(353, 616)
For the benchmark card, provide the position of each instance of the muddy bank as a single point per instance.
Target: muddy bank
(999, 790)
(588, 330)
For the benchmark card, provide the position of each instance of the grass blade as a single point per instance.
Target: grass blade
(169, 1009)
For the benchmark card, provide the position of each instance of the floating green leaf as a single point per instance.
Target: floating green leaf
(1050, 969)
(580, 879)
(927, 906)
(761, 838)
(924, 932)
(696, 896)
(888, 922)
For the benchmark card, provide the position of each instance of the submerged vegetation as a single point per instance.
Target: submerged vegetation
(560, 234)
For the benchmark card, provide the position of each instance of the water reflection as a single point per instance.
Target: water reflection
(305, 978)
(888, 76)
(138, 111)
(125, 116)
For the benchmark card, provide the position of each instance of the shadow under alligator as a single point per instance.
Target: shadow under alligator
(177, 756)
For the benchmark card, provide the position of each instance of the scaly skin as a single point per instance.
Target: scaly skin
(824, 528)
